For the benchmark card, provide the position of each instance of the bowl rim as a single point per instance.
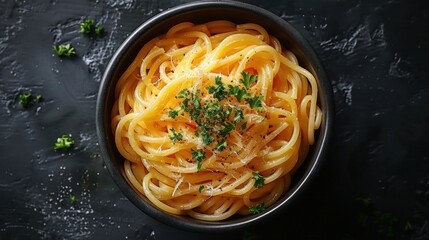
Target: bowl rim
(193, 224)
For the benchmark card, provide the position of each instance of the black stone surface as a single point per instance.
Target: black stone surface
(373, 185)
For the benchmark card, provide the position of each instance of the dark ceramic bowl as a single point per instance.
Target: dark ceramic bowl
(201, 12)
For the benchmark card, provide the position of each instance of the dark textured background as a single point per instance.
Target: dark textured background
(376, 56)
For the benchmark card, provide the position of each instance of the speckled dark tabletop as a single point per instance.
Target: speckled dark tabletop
(374, 183)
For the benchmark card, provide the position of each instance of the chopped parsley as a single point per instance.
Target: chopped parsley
(226, 129)
(239, 115)
(86, 26)
(25, 100)
(99, 30)
(199, 156)
(183, 94)
(214, 120)
(259, 180)
(39, 98)
(216, 116)
(176, 136)
(64, 50)
(255, 101)
(65, 142)
(222, 145)
(173, 113)
(200, 189)
(206, 137)
(248, 79)
(239, 93)
(72, 199)
(257, 208)
(218, 91)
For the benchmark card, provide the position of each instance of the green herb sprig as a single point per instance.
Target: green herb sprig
(221, 146)
(26, 99)
(65, 142)
(248, 79)
(257, 209)
(259, 180)
(99, 31)
(241, 94)
(176, 136)
(87, 27)
(199, 156)
(64, 50)
(39, 98)
(218, 91)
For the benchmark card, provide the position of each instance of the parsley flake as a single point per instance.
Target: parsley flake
(239, 115)
(25, 100)
(199, 156)
(218, 91)
(248, 79)
(183, 94)
(72, 199)
(239, 93)
(259, 180)
(197, 102)
(86, 26)
(65, 142)
(64, 50)
(257, 209)
(207, 138)
(176, 136)
(222, 145)
(173, 113)
(99, 30)
(255, 101)
(226, 129)
(213, 110)
(39, 98)
(200, 189)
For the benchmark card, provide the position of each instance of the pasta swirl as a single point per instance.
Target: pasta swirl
(213, 119)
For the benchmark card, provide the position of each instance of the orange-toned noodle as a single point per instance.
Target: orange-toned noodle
(276, 141)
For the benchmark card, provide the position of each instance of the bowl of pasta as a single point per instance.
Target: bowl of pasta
(214, 115)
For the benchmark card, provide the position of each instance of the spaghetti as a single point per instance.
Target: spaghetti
(213, 119)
